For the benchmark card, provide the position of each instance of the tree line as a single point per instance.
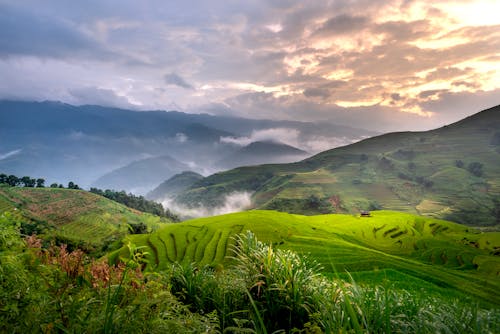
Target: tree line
(130, 200)
(29, 182)
(136, 202)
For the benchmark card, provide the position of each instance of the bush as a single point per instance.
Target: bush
(475, 168)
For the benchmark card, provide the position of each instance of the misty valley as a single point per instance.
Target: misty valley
(250, 167)
(170, 222)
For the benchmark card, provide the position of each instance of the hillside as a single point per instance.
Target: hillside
(410, 251)
(142, 175)
(174, 185)
(450, 173)
(260, 152)
(74, 217)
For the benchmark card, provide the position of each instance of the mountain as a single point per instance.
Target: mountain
(174, 185)
(62, 143)
(261, 152)
(451, 172)
(140, 176)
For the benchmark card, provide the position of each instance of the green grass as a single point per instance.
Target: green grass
(445, 255)
(75, 216)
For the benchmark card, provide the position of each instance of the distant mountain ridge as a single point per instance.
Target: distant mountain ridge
(174, 185)
(451, 172)
(62, 142)
(261, 152)
(141, 175)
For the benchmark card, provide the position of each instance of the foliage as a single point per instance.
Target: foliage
(475, 168)
(137, 202)
(76, 218)
(24, 181)
(495, 140)
(271, 290)
(57, 290)
(434, 254)
(263, 290)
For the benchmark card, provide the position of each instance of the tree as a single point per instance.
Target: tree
(3, 178)
(13, 180)
(28, 181)
(54, 185)
(496, 139)
(475, 168)
(72, 185)
(40, 183)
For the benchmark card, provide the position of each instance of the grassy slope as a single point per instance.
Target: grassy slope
(412, 251)
(385, 171)
(75, 215)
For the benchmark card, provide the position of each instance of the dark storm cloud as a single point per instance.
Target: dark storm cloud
(176, 80)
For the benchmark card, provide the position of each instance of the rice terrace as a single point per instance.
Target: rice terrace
(250, 167)
(413, 249)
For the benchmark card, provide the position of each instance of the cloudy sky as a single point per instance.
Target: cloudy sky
(382, 65)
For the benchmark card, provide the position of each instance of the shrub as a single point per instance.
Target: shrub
(475, 168)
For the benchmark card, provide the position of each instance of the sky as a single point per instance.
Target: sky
(380, 65)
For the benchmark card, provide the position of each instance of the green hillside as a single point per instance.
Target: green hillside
(449, 173)
(411, 251)
(174, 185)
(75, 217)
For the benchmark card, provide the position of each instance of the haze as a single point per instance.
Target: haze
(379, 65)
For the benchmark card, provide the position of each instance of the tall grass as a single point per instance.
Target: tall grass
(272, 290)
(265, 290)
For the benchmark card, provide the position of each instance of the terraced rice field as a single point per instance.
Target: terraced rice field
(441, 253)
(75, 215)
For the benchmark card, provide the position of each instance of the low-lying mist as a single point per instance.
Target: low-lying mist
(233, 202)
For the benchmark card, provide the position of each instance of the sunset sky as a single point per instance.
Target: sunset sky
(380, 65)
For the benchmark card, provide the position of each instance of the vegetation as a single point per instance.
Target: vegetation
(174, 185)
(137, 202)
(24, 181)
(48, 290)
(264, 290)
(76, 218)
(408, 250)
(450, 173)
(29, 182)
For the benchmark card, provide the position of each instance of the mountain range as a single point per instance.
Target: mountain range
(451, 172)
(94, 145)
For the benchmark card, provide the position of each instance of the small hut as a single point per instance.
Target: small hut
(365, 214)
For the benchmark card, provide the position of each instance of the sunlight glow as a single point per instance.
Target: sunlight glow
(475, 13)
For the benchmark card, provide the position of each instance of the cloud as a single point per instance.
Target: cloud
(457, 104)
(342, 24)
(343, 61)
(181, 137)
(176, 80)
(99, 96)
(279, 135)
(9, 154)
(310, 142)
(27, 32)
(233, 202)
